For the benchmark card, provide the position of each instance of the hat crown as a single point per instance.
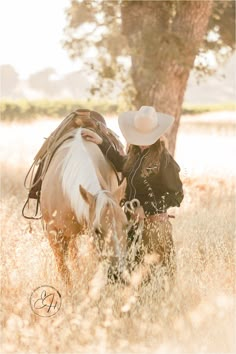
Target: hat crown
(145, 120)
(144, 127)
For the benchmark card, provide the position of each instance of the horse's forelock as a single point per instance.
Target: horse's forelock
(103, 200)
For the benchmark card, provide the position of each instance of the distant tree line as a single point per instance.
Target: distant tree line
(45, 82)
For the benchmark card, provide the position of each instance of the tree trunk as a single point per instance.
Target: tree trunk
(161, 63)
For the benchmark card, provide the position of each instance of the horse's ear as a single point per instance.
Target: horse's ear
(119, 193)
(87, 196)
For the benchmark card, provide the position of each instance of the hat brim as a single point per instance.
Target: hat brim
(135, 137)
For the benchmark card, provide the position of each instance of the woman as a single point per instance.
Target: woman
(152, 178)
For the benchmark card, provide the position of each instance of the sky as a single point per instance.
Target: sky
(31, 35)
(31, 32)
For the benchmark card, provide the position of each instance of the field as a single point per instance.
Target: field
(196, 316)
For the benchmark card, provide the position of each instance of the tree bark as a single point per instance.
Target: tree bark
(164, 38)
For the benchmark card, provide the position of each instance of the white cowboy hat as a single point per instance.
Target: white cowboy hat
(144, 127)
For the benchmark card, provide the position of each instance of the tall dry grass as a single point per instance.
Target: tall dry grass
(195, 316)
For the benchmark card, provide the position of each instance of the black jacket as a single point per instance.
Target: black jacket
(157, 191)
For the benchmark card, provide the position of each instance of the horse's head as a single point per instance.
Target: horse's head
(108, 224)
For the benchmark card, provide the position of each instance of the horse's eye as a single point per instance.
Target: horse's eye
(97, 231)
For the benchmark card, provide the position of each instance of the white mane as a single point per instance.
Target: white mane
(78, 168)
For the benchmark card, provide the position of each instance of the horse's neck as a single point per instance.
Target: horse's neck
(79, 168)
(105, 173)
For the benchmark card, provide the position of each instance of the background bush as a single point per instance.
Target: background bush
(26, 110)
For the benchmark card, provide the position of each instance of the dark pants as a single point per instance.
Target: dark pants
(156, 247)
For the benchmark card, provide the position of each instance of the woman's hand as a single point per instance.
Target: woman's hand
(163, 217)
(138, 214)
(89, 135)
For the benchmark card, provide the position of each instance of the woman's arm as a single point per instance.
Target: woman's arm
(108, 150)
(112, 155)
(171, 185)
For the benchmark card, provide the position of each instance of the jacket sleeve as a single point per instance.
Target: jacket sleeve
(171, 185)
(112, 155)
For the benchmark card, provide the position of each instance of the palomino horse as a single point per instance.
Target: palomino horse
(80, 192)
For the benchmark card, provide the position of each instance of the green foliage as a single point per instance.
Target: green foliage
(26, 110)
(96, 25)
(220, 37)
(30, 110)
(100, 25)
(222, 22)
(198, 109)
